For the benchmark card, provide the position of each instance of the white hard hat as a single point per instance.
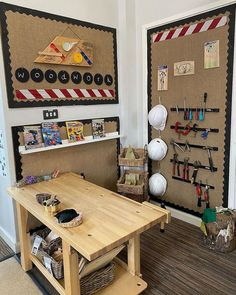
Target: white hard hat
(157, 117)
(157, 184)
(157, 149)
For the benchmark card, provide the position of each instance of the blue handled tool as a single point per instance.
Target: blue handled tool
(190, 116)
(201, 115)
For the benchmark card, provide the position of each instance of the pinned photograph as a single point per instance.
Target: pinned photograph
(162, 78)
(184, 68)
(211, 54)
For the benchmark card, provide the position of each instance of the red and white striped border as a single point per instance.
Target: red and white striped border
(32, 94)
(191, 29)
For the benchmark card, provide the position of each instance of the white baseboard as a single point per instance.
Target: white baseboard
(15, 246)
(182, 215)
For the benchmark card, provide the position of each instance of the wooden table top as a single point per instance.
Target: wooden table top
(109, 219)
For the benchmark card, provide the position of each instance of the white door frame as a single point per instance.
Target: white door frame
(177, 17)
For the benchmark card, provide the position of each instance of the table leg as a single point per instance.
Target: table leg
(134, 255)
(162, 227)
(22, 216)
(71, 270)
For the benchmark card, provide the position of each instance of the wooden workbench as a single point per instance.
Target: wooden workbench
(109, 220)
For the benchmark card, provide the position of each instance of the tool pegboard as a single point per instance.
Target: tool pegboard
(196, 91)
(54, 60)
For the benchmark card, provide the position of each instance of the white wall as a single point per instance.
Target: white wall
(128, 16)
(104, 12)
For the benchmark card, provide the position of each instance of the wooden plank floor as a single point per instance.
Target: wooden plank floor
(176, 262)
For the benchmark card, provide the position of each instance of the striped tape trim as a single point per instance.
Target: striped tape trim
(191, 29)
(31, 94)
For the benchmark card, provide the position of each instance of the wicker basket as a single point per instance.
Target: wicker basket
(56, 265)
(138, 189)
(42, 197)
(140, 154)
(47, 250)
(74, 222)
(97, 280)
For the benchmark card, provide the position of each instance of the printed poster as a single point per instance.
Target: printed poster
(162, 78)
(211, 54)
(184, 68)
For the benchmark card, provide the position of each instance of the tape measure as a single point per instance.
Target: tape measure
(78, 58)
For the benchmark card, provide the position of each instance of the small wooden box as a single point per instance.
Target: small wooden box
(140, 154)
(138, 189)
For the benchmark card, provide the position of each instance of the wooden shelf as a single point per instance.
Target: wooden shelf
(58, 285)
(123, 284)
(66, 143)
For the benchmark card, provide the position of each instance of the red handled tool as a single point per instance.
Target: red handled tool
(186, 169)
(175, 165)
(199, 194)
(186, 130)
(53, 46)
(197, 114)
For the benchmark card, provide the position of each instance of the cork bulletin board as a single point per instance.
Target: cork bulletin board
(53, 60)
(184, 41)
(98, 160)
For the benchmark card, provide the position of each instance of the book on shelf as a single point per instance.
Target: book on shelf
(98, 128)
(51, 133)
(32, 137)
(75, 131)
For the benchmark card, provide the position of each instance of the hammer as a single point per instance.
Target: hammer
(208, 148)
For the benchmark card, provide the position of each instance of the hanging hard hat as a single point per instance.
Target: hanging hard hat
(157, 149)
(157, 184)
(157, 117)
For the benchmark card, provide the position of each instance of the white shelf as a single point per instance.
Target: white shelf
(66, 143)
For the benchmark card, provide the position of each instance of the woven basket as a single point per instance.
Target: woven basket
(97, 280)
(57, 266)
(140, 154)
(47, 250)
(139, 189)
(74, 222)
(42, 197)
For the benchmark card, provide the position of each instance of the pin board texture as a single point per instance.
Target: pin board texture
(26, 33)
(216, 82)
(98, 161)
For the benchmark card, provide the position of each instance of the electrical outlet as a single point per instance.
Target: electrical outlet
(53, 114)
